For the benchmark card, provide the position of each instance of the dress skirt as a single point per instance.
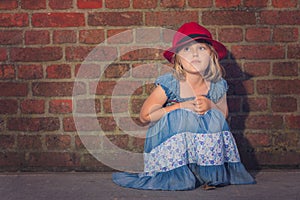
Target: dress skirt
(184, 150)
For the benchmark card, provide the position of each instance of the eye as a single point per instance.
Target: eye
(202, 48)
(186, 49)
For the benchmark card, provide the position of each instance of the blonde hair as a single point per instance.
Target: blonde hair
(213, 73)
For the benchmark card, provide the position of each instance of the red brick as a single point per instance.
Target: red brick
(120, 88)
(69, 124)
(115, 105)
(136, 105)
(13, 160)
(228, 18)
(98, 53)
(89, 4)
(144, 4)
(107, 123)
(292, 121)
(29, 142)
(33, 124)
(88, 106)
(293, 51)
(259, 139)
(90, 142)
(11, 37)
(165, 18)
(286, 34)
(8, 106)
(285, 69)
(278, 87)
(255, 105)
(145, 70)
(30, 71)
(13, 89)
(231, 35)
(88, 71)
(49, 89)
(14, 20)
(284, 4)
(131, 124)
(200, 4)
(91, 36)
(58, 19)
(61, 106)
(31, 106)
(78, 53)
(140, 53)
(33, 4)
(280, 17)
(117, 71)
(7, 142)
(7, 72)
(121, 141)
(284, 104)
(172, 3)
(148, 35)
(52, 159)
(287, 139)
(116, 4)
(58, 71)
(3, 54)
(115, 19)
(228, 4)
(37, 37)
(64, 36)
(258, 34)
(267, 122)
(36, 54)
(258, 51)
(119, 36)
(257, 69)
(89, 124)
(8, 4)
(255, 3)
(58, 142)
(61, 5)
(102, 88)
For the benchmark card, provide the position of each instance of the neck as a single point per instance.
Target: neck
(194, 79)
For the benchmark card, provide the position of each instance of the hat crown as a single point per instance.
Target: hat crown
(188, 29)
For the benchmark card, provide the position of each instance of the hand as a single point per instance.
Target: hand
(199, 105)
(203, 104)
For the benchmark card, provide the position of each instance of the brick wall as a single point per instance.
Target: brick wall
(44, 43)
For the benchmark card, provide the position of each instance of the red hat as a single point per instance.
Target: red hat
(193, 31)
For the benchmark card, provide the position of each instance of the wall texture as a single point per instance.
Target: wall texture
(43, 44)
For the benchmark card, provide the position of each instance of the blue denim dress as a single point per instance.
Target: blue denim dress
(184, 150)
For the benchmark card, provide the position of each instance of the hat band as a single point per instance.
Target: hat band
(191, 36)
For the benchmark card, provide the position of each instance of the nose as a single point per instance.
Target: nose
(195, 53)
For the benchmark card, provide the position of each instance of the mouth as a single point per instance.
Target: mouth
(195, 61)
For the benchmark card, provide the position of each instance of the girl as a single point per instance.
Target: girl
(189, 143)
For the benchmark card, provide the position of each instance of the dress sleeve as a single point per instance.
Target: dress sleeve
(218, 90)
(166, 82)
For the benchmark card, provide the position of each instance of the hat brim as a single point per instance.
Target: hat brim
(219, 47)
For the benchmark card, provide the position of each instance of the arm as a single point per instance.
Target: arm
(152, 109)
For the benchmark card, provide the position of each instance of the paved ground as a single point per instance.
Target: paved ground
(271, 185)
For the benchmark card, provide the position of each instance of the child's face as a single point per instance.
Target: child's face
(195, 57)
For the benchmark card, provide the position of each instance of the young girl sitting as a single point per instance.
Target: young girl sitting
(189, 143)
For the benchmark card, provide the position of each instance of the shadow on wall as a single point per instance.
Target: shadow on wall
(237, 97)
